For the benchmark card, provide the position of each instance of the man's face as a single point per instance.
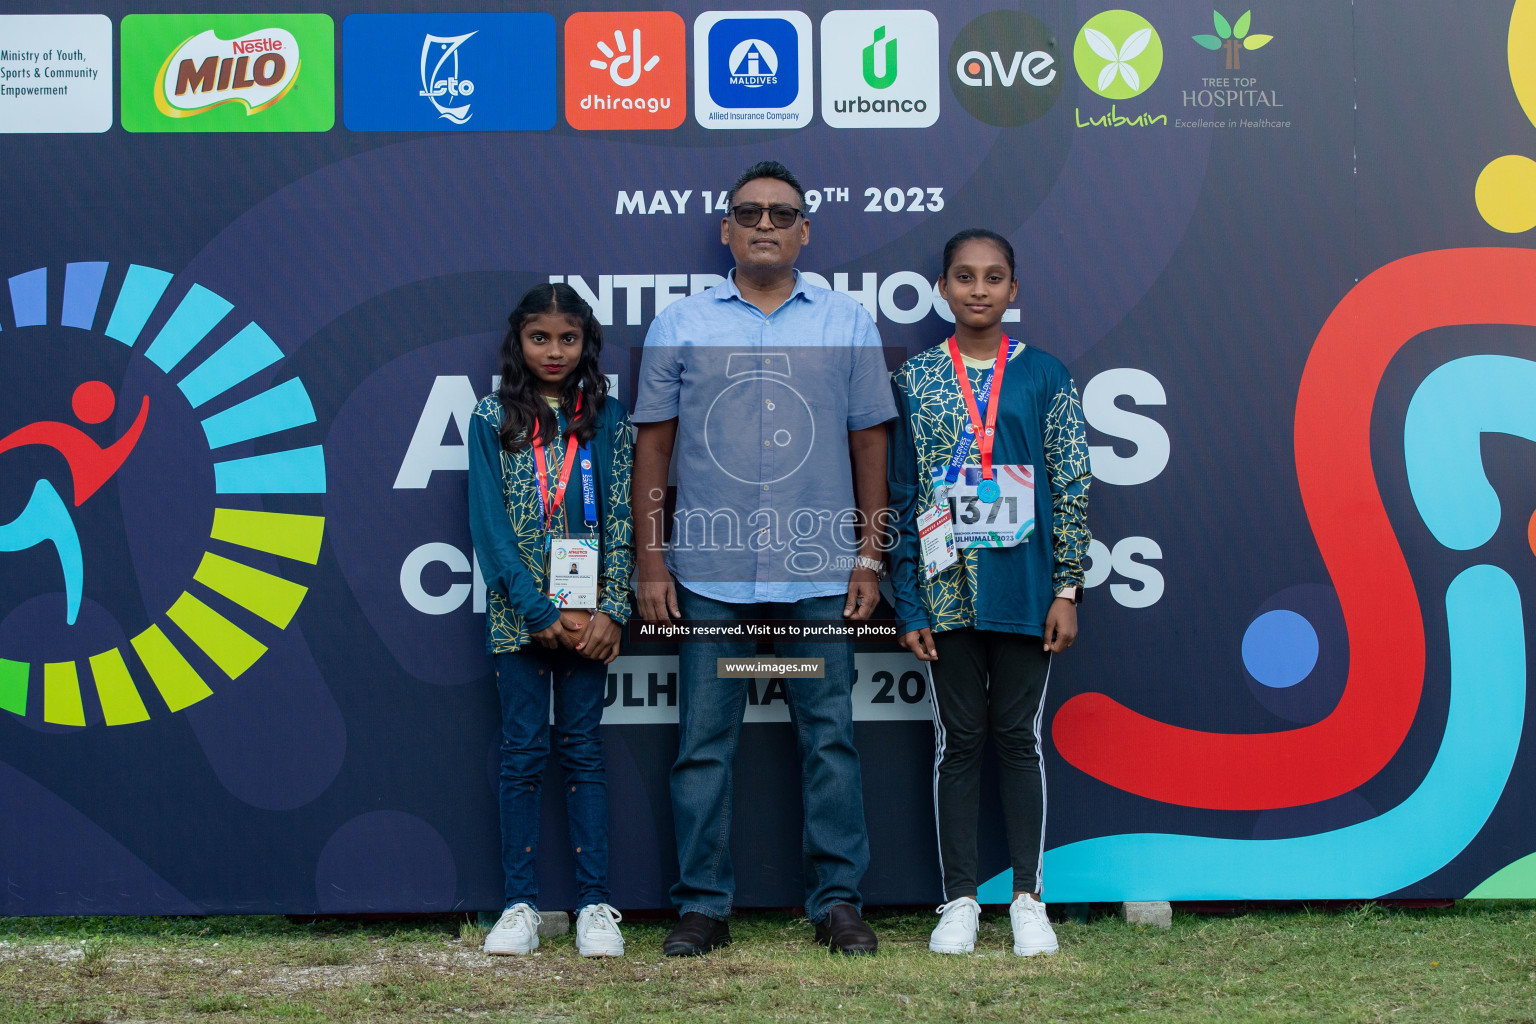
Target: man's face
(765, 247)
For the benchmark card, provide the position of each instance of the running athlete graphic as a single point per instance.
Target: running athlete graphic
(46, 517)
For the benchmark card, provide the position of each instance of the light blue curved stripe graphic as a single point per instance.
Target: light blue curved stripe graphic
(275, 409)
(82, 293)
(1445, 464)
(29, 298)
(199, 312)
(136, 300)
(248, 352)
(46, 519)
(1393, 850)
(298, 471)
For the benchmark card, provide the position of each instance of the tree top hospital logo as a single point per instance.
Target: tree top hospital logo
(625, 70)
(228, 72)
(1005, 68)
(879, 69)
(448, 72)
(1118, 54)
(751, 69)
(182, 576)
(1233, 38)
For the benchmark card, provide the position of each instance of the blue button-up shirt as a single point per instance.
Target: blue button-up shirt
(764, 404)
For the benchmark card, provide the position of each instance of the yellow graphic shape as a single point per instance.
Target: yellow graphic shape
(61, 694)
(1506, 189)
(13, 686)
(231, 648)
(120, 700)
(177, 681)
(273, 598)
(291, 536)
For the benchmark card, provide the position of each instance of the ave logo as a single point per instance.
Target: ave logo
(625, 70)
(879, 69)
(752, 69)
(1005, 68)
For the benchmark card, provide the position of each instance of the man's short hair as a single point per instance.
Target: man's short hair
(768, 169)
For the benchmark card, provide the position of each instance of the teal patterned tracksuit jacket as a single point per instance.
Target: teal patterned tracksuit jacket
(509, 538)
(1039, 423)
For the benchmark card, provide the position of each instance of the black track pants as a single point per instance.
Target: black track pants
(988, 683)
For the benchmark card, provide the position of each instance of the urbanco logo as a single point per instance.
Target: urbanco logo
(228, 72)
(183, 576)
(1233, 38)
(879, 69)
(1005, 68)
(752, 69)
(1118, 54)
(625, 70)
(442, 84)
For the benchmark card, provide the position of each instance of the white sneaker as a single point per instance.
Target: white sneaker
(597, 931)
(516, 932)
(1032, 931)
(956, 930)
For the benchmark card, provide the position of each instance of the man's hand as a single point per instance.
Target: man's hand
(920, 643)
(1060, 625)
(656, 599)
(655, 593)
(599, 639)
(863, 594)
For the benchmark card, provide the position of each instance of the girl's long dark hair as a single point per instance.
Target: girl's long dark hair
(526, 412)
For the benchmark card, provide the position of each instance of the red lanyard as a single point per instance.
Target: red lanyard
(549, 505)
(984, 436)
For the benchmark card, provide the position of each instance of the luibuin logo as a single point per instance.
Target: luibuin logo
(180, 576)
(885, 79)
(204, 72)
(442, 80)
(1118, 54)
(1236, 38)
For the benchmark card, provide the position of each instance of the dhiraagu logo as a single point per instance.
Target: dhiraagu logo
(228, 72)
(1118, 54)
(160, 495)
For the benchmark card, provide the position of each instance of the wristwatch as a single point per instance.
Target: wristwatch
(874, 565)
(1073, 593)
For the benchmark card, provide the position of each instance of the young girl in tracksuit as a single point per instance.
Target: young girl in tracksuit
(989, 480)
(549, 467)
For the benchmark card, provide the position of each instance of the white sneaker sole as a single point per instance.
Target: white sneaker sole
(1035, 950)
(602, 951)
(956, 947)
(509, 949)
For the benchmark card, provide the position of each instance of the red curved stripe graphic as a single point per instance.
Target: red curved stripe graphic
(1253, 771)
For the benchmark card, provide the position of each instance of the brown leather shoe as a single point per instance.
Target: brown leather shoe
(696, 934)
(844, 931)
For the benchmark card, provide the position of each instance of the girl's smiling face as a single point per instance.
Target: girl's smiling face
(551, 348)
(978, 284)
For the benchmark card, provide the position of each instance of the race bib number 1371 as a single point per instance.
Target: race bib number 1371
(999, 524)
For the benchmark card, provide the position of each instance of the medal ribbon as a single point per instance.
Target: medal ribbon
(993, 381)
(547, 502)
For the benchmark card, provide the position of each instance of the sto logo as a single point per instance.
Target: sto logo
(1381, 609)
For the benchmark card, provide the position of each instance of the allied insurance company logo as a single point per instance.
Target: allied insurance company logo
(751, 69)
(229, 602)
(228, 72)
(625, 70)
(1005, 68)
(879, 69)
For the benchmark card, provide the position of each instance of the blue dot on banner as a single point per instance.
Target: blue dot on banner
(1280, 648)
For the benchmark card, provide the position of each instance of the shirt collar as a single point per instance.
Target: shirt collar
(728, 290)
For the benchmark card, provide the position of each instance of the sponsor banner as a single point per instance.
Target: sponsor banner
(1006, 69)
(625, 70)
(55, 73)
(228, 73)
(752, 69)
(448, 72)
(880, 69)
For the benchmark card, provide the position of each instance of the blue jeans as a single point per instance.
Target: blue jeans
(523, 680)
(834, 843)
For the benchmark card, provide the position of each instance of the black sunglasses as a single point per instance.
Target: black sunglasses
(780, 215)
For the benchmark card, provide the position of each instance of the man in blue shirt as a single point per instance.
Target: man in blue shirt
(772, 396)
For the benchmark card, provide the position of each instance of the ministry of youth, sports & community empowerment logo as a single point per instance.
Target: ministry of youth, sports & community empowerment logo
(119, 607)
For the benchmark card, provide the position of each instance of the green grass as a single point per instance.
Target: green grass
(1476, 961)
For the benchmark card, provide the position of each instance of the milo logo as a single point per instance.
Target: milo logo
(204, 72)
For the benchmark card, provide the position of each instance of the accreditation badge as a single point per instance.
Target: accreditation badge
(573, 565)
(1006, 521)
(936, 538)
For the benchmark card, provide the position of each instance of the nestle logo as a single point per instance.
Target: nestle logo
(256, 45)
